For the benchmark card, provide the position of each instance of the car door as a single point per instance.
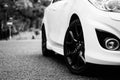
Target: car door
(56, 19)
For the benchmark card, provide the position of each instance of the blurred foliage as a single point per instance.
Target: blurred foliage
(6, 7)
(26, 14)
(32, 8)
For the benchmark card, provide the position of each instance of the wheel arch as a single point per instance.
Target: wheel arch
(43, 25)
(74, 17)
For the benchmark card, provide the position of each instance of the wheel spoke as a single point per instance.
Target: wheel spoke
(71, 42)
(69, 61)
(76, 61)
(82, 56)
(72, 36)
(79, 47)
(76, 58)
(73, 60)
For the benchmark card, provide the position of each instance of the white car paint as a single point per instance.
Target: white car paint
(57, 18)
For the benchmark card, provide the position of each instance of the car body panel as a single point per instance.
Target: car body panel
(57, 19)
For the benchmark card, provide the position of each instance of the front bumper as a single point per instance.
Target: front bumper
(97, 19)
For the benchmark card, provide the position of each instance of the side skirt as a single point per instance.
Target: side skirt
(58, 48)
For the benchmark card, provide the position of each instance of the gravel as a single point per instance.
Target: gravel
(22, 60)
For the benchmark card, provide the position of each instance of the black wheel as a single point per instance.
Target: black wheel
(74, 48)
(44, 48)
(45, 51)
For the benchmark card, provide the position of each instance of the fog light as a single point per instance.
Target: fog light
(111, 44)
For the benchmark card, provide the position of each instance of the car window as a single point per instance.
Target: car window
(55, 1)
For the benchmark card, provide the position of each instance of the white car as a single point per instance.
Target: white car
(84, 31)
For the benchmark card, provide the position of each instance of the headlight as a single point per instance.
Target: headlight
(107, 5)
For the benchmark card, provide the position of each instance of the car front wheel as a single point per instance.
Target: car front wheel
(74, 48)
(44, 48)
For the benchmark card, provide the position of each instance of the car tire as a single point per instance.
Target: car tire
(44, 48)
(74, 48)
(45, 52)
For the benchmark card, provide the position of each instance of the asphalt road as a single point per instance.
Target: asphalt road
(23, 60)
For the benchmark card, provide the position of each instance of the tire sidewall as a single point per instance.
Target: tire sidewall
(43, 42)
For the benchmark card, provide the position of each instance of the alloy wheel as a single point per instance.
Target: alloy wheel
(74, 48)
